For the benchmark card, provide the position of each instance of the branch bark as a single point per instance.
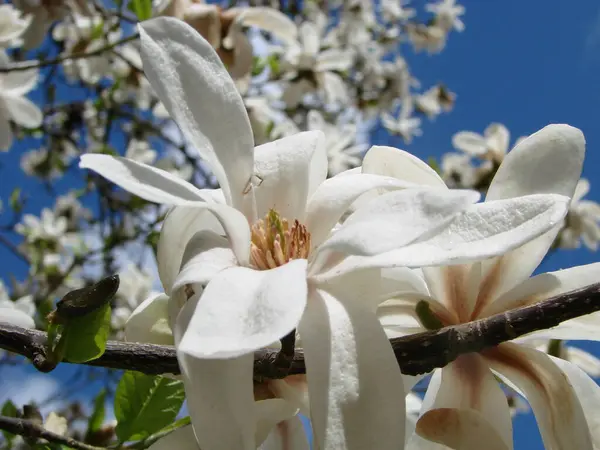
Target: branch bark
(417, 353)
(33, 430)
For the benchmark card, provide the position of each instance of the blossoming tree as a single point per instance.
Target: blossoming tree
(301, 272)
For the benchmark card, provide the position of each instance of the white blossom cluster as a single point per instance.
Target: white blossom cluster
(238, 137)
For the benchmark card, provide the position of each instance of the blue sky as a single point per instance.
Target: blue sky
(523, 63)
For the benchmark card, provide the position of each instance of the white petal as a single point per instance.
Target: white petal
(544, 286)
(271, 20)
(554, 402)
(588, 393)
(219, 393)
(149, 322)
(242, 310)
(23, 111)
(402, 165)
(269, 413)
(192, 83)
(469, 142)
(482, 231)
(182, 439)
(335, 195)
(584, 360)
(309, 35)
(12, 316)
(396, 219)
(20, 82)
(467, 408)
(352, 406)
(147, 182)
(288, 435)
(285, 167)
(498, 137)
(334, 59)
(547, 162)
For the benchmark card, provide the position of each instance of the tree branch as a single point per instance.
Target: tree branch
(36, 64)
(33, 430)
(417, 353)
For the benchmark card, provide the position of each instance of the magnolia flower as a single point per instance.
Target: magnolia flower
(134, 288)
(223, 28)
(48, 227)
(405, 125)
(12, 25)
(307, 58)
(396, 11)
(248, 264)
(141, 151)
(458, 172)
(492, 145)
(19, 312)
(13, 105)
(427, 37)
(465, 392)
(343, 152)
(447, 14)
(434, 101)
(583, 220)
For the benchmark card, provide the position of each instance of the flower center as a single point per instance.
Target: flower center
(275, 242)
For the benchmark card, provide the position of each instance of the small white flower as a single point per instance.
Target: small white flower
(405, 125)
(435, 100)
(47, 227)
(447, 14)
(583, 220)
(458, 171)
(140, 150)
(492, 145)
(12, 25)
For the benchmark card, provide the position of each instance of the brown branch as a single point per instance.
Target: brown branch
(416, 354)
(33, 430)
(36, 64)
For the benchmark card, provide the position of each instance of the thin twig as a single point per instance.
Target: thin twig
(36, 64)
(33, 430)
(417, 353)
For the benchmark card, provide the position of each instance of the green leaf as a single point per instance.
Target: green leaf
(97, 418)
(145, 404)
(434, 165)
(85, 337)
(147, 442)
(9, 410)
(141, 8)
(15, 200)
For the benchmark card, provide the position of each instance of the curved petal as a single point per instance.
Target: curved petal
(470, 143)
(352, 405)
(12, 316)
(219, 393)
(554, 402)
(271, 20)
(588, 393)
(547, 162)
(269, 413)
(396, 219)
(393, 162)
(497, 137)
(23, 111)
(587, 362)
(544, 286)
(149, 322)
(288, 435)
(284, 168)
(192, 83)
(179, 226)
(147, 182)
(182, 439)
(19, 83)
(335, 195)
(482, 231)
(242, 310)
(334, 59)
(468, 407)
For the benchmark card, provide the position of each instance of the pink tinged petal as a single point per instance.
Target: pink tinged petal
(287, 435)
(557, 409)
(219, 393)
(468, 407)
(192, 83)
(149, 322)
(269, 413)
(352, 405)
(293, 389)
(401, 165)
(588, 393)
(544, 286)
(242, 310)
(11, 316)
(23, 111)
(470, 143)
(334, 197)
(147, 182)
(284, 168)
(180, 225)
(181, 439)
(396, 219)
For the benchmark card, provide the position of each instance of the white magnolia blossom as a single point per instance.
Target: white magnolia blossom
(134, 287)
(141, 151)
(12, 25)
(583, 220)
(466, 391)
(457, 171)
(20, 312)
(47, 227)
(13, 103)
(435, 100)
(246, 265)
(405, 125)
(447, 14)
(492, 145)
(431, 38)
(343, 152)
